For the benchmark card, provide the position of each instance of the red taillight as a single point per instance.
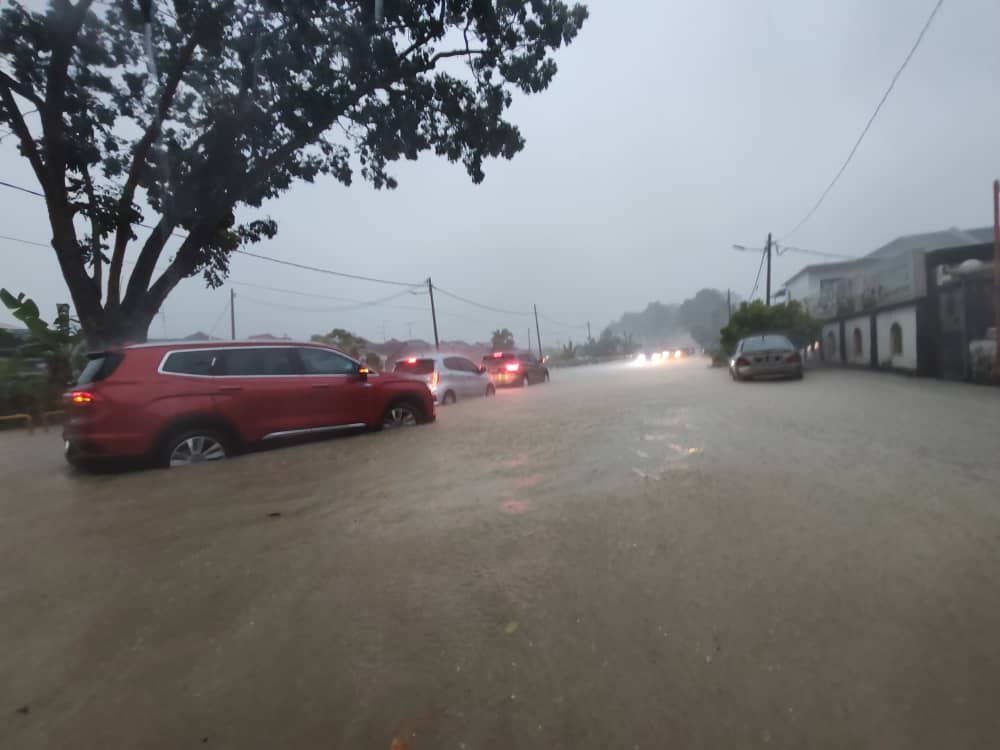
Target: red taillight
(497, 355)
(435, 377)
(794, 357)
(411, 361)
(742, 362)
(81, 397)
(512, 367)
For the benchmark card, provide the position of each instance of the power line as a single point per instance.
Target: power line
(342, 308)
(22, 189)
(218, 320)
(567, 326)
(23, 242)
(479, 304)
(327, 271)
(864, 132)
(756, 281)
(11, 130)
(781, 250)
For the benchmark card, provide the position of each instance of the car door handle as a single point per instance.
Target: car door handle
(230, 388)
(320, 385)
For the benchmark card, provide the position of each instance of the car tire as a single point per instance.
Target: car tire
(402, 413)
(193, 446)
(799, 375)
(546, 379)
(449, 397)
(491, 390)
(525, 382)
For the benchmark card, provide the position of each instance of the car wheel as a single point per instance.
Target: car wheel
(491, 390)
(799, 375)
(401, 414)
(195, 446)
(449, 398)
(525, 382)
(546, 376)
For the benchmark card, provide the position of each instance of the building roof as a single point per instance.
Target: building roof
(928, 241)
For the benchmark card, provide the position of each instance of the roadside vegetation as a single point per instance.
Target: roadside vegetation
(789, 319)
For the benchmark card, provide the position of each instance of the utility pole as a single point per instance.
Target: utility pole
(538, 332)
(996, 276)
(768, 269)
(589, 337)
(434, 318)
(232, 314)
(729, 302)
(529, 338)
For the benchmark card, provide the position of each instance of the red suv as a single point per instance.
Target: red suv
(177, 404)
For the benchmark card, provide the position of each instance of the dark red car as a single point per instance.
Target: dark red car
(177, 404)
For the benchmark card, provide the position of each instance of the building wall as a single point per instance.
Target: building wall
(831, 342)
(863, 325)
(906, 318)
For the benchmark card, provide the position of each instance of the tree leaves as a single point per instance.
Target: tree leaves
(267, 93)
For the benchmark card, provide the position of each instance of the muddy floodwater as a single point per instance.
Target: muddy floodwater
(623, 558)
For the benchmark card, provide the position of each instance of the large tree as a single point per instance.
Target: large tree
(177, 115)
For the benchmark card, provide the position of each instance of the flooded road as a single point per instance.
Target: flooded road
(624, 558)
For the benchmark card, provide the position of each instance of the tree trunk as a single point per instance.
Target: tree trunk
(113, 328)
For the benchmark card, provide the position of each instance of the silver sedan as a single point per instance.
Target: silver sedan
(766, 355)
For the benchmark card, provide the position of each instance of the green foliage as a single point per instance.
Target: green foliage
(373, 360)
(502, 339)
(344, 340)
(610, 344)
(55, 344)
(756, 317)
(240, 99)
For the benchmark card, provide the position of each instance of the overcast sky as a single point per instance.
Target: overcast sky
(672, 131)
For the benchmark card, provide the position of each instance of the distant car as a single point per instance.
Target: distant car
(765, 355)
(184, 403)
(449, 376)
(515, 369)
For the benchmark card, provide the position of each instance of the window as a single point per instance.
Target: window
(859, 347)
(259, 361)
(325, 362)
(99, 366)
(896, 339)
(414, 366)
(460, 364)
(193, 362)
(766, 343)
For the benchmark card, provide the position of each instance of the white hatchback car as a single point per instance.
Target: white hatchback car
(449, 376)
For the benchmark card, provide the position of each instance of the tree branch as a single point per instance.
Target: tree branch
(20, 89)
(20, 129)
(139, 154)
(95, 236)
(139, 280)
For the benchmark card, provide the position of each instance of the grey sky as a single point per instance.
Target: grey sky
(672, 131)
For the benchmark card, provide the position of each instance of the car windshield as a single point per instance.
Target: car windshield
(98, 367)
(766, 343)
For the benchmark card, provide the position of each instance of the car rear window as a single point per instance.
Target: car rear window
(194, 362)
(764, 343)
(415, 366)
(499, 357)
(99, 366)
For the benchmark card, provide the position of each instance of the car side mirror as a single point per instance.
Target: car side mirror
(363, 374)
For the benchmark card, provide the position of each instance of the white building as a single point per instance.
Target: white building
(875, 309)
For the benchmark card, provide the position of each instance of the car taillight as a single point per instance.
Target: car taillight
(435, 377)
(794, 357)
(513, 366)
(742, 362)
(497, 355)
(81, 397)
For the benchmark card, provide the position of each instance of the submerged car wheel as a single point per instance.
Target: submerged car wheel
(449, 398)
(194, 447)
(400, 414)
